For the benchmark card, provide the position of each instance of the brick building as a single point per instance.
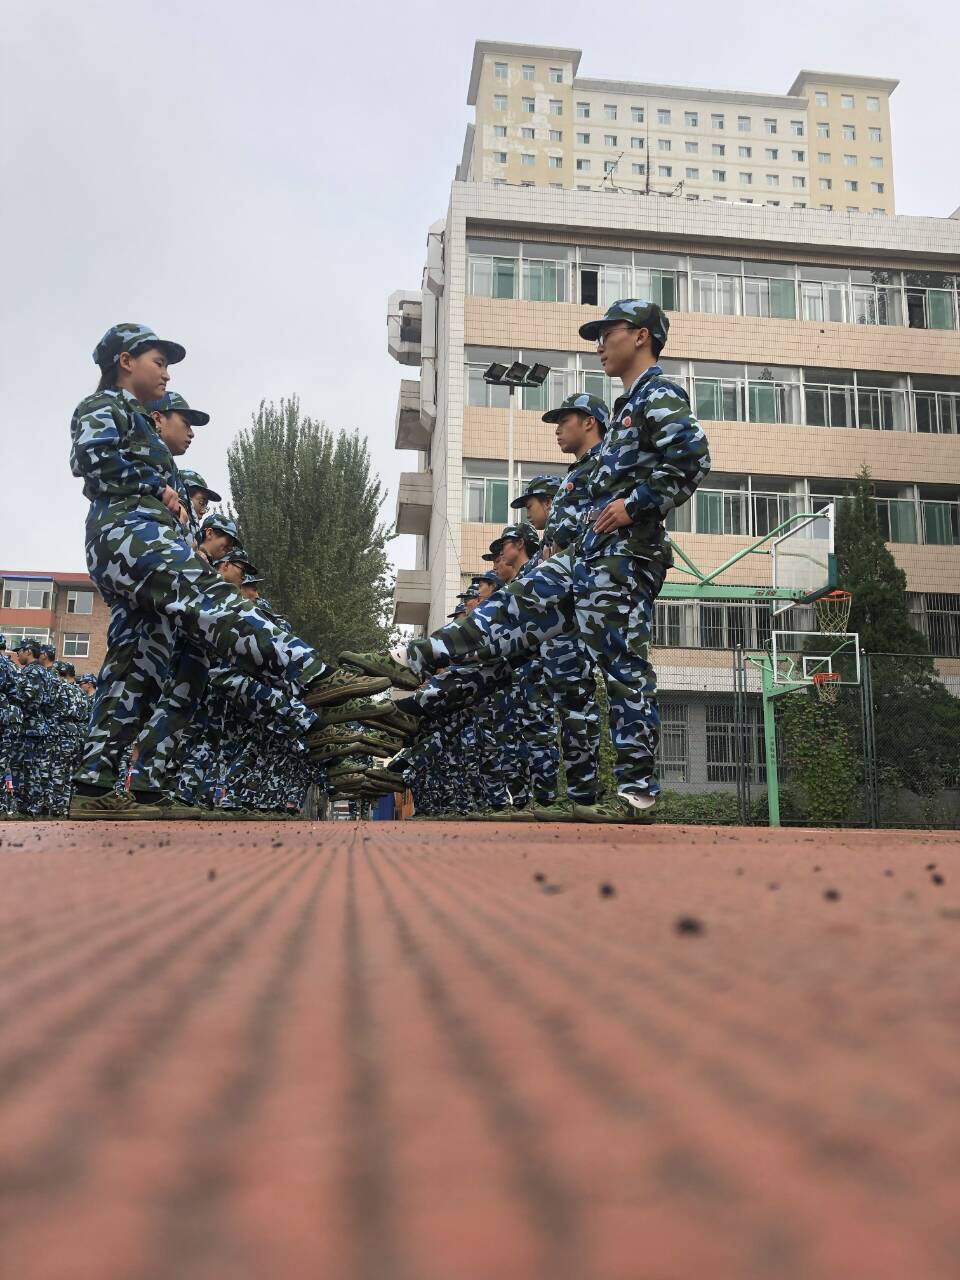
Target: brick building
(63, 609)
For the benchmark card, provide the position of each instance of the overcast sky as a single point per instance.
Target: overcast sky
(253, 179)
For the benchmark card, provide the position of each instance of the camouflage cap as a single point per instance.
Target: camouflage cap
(88, 677)
(223, 524)
(539, 487)
(48, 651)
(131, 337)
(173, 402)
(524, 533)
(639, 312)
(590, 406)
(3, 641)
(194, 480)
(27, 642)
(472, 594)
(490, 576)
(458, 612)
(237, 555)
(251, 579)
(66, 668)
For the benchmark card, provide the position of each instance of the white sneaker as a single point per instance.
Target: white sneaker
(640, 802)
(399, 654)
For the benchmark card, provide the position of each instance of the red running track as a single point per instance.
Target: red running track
(423, 1051)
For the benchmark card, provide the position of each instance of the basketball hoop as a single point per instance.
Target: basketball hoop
(827, 685)
(833, 611)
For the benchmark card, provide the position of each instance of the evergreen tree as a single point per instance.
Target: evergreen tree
(308, 508)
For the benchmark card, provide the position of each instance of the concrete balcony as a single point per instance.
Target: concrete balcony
(411, 431)
(404, 319)
(411, 597)
(414, 502)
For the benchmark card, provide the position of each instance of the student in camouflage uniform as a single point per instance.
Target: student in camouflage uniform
(70, 735)
(31, 764)
(11, 726)
(653, 457)
(142, 561)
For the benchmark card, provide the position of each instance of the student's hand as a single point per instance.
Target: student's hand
(614, 516)
(171, 500)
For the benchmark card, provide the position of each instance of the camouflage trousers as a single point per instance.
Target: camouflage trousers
(608, 603)
(569, 675)
(160, 590)
(537, 727)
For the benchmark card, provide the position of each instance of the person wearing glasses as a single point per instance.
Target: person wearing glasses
(653, 456)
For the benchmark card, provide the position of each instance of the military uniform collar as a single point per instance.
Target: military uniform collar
(594, 448)
(130, 400)
(636, 385)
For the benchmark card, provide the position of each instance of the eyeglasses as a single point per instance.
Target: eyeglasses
(605, 333)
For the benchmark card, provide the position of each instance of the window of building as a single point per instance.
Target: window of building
(79, 602)
(718, 149)
(849, 132)
(799, 181)
(556, 107)
(609, 139)
(556, 75)
(528, 105)
(691, 119)
(853, 208)
(76, 644)
(771, 153)
(725, 746)
(527, 71)
(876, 162)
(743, 124)
(716, 121)
(799, 157)
(609, 166)
(846, 101)
(636, 142)
(500, 182)
(492, 274)
(873, 104)
(850, 160)
(851, 184)
(828, 207)
(500, 70)
(822, 99)
(823, 157)
(583, 166)
(877, 188)
(663, 115)
(500, 157)
(746, 178)
(773, 179)
(799, 204)
(609, 111)
(556, 135)
(719, 175)
(636, 115)
(485, 497)
(583, 110)
(825, 184)
(499, 130)
(665, 171)
(583, 139)
(693, 174)
(40, 634)
(769, 125)
(664, 144)
(638, 168)
(556, 186)
(555, 162)
(796, 128)
(745, 153)
(26, 595)
(823, 129)
(692, 148)
(527, 132)
(674, 760)
(874, 135)
(499, 102)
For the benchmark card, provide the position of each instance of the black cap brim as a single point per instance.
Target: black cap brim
(172, 350)
(517, 503)
(202, 488)
(196, 418)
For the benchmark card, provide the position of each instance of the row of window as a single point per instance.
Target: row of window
(726, 286)
(847, 100)
(528, 71)
(724, 747)
(21, 594)
(73, 644)
(724, 391)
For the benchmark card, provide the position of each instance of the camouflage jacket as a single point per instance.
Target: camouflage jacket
(37, 698)
(76, 710)
(573, 501)
(10, 695)
(116, 451)
(654, 455)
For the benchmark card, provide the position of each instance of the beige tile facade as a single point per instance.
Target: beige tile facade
(538, 123)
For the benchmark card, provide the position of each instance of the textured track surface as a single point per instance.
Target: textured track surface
(417, 1051)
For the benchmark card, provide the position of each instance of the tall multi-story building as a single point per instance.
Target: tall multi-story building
(62, 609)
(824, 144)
(812, 343)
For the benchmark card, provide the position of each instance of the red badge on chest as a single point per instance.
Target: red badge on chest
(627, 421)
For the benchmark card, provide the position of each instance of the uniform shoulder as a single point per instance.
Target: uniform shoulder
(108, 400)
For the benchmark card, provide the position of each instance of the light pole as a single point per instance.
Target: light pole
(517, 375)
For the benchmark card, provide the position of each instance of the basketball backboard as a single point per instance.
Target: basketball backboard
(798, 656)
(803, 561)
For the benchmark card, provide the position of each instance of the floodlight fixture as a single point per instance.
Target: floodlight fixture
(495, 373)
(538, 375)
(516, 374)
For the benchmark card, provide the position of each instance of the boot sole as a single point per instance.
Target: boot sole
(370, 666)
(343, 693)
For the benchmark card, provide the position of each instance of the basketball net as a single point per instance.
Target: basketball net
(833, 611)
(827, 685)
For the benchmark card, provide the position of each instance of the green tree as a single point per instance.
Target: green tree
(308, 506)
(917, 721)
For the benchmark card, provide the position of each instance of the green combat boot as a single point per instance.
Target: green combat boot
(382, 664)
(556, 811)
(621, 808)
(357, 710)
(341, 686)
(112, 806)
